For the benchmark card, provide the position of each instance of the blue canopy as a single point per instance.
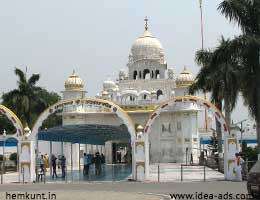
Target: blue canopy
(95, 134)
(248, 141)
(10, 142)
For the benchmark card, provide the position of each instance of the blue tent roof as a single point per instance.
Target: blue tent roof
(10, 142)
(249, 141)
(85, 134)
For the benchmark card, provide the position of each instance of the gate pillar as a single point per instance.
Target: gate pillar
(142, 167)
(231, 147)
(26, 158)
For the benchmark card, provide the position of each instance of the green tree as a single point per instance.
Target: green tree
(21, 100)
(29, 100)
(219, 77)
(13, 157)
(5, 124)
(245, 48)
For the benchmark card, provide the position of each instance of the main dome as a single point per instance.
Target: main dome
(146, 47)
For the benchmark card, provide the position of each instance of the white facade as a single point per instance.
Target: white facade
(147, 83)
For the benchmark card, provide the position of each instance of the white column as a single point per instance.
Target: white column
(147, 164)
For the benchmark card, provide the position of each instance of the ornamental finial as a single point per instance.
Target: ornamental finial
(146, 23)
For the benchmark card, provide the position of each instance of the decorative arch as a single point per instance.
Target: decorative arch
(135, 75)
(107, 105)
(14, 119)
(145, 72)
(187, 99)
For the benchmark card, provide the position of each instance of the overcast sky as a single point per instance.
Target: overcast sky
(94, 37)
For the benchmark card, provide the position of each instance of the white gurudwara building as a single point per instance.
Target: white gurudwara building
(147, 83)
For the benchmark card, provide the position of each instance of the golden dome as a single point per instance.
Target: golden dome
(185, 78)
(74, 82)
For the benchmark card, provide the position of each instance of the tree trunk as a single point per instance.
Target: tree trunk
(258, 137)
(218, 129)
(219, 138)
(227, 109)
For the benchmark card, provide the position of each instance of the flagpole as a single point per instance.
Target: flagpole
(202, 47)
(201, 25)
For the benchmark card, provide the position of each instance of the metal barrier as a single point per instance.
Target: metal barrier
(23, 174)
(204, 170)
(159, 173)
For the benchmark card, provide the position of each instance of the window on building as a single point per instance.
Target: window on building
(157, 74)
(135, 75)
(146, 74)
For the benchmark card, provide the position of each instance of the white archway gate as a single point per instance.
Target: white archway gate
(24, 160)
(14, 119)
(231, 142)
(107, 106)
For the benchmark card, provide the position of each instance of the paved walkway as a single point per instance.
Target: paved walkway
(168, 173)
(124, 190)
(80, 195)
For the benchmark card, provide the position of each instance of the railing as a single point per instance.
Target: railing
(204, 170)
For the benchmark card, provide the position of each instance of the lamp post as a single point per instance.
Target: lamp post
(242, 130)
(4, 135)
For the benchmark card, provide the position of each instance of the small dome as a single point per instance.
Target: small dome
(153, 92)
(27, 129)
(122, 72)
(104, 93)
(109, 85)
(74, 82)
(122, 75)
(185, 78)
(140, 128)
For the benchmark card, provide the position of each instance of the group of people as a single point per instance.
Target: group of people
(89, 159)
(44, 165)
(62, 166)
(97, 160)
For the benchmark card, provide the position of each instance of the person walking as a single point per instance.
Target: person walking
(238, 167)
(97, 161)
(46, 159)
(42, 168)
(54, 166)
(63, 166)
(86, 165)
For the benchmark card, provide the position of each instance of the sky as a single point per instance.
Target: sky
(94, 37)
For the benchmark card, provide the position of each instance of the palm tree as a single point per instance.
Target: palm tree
(22, 99)
(219, 77)
(245, 48)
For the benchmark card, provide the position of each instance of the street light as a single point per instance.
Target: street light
(242, 130)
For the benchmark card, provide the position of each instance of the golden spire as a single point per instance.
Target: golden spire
(146, 23)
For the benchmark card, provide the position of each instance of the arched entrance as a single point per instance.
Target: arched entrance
(105, 106)
(192, 100)
(14, 119)
(11, 139)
